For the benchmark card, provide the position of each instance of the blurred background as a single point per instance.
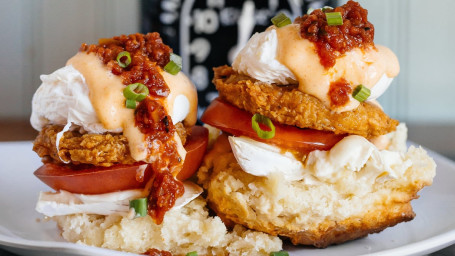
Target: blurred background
(38, 36)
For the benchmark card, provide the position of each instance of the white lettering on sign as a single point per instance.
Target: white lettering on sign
(245, 28)
(215, 3)
(200, 77)
(170, 6)
(229, 16)
(205, 21)
(168, 17)
(170, 31)
(200, 48)
(262, 17)
(170, 11)
(273, 5)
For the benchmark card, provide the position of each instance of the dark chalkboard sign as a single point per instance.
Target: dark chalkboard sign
(209, 33)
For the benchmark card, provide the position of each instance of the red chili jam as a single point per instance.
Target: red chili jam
(153, 121)
(165, 190)
(156, 252)
(339, 92)
(333, 41)
(148, 53)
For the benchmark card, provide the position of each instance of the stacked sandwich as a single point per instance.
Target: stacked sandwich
(306, 151)
(118, 141)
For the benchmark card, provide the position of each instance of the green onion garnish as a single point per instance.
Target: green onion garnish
(281, 20)
(334, 18)
(361, 93)
(139, 205)
(258, 118)
(128, 59)
(174, 65)
(310, 11)
(280, 253)
(137, 92)
(130, 104)
(192, 254)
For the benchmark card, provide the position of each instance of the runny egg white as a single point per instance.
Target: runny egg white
(352, 154)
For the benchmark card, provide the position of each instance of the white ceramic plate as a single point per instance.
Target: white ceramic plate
(22, 233)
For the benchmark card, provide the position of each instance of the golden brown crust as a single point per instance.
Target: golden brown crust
(352, 228)
(328, 232)
(287, 105)
(95, 149)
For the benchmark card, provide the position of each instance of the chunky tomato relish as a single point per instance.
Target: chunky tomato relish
(153, 121)
(156, 252)
(333, 41)
(163, 193)
(148, 53)
(339, 92)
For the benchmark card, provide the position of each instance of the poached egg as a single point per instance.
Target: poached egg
(281, 56)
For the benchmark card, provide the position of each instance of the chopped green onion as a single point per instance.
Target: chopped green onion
(174, 65)
(310, 11)
(139, 205)
(130, 104)
(281, 20)
(361, 93)
(137, 92)
(334, 18)
(258, 118)
(128, 59)
(326, 8)
(279, 253)
(192, 254)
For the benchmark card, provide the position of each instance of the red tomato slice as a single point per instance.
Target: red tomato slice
(196, 145)
(237, 122)
(93, 180)
(99, 180)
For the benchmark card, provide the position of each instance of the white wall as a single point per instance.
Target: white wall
(38, 36)
(422, 35)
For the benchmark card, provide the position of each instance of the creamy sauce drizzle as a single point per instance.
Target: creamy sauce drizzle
(181, 85)
(106, 96)
(356, 66)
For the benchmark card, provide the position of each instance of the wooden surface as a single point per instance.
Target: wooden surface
(14, 130)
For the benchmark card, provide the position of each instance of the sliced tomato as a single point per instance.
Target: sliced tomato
(97, 180)
(196, 145)
(93, 180)
(237, 122)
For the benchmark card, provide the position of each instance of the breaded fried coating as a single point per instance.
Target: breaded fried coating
(288, 105)
(95, 149)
